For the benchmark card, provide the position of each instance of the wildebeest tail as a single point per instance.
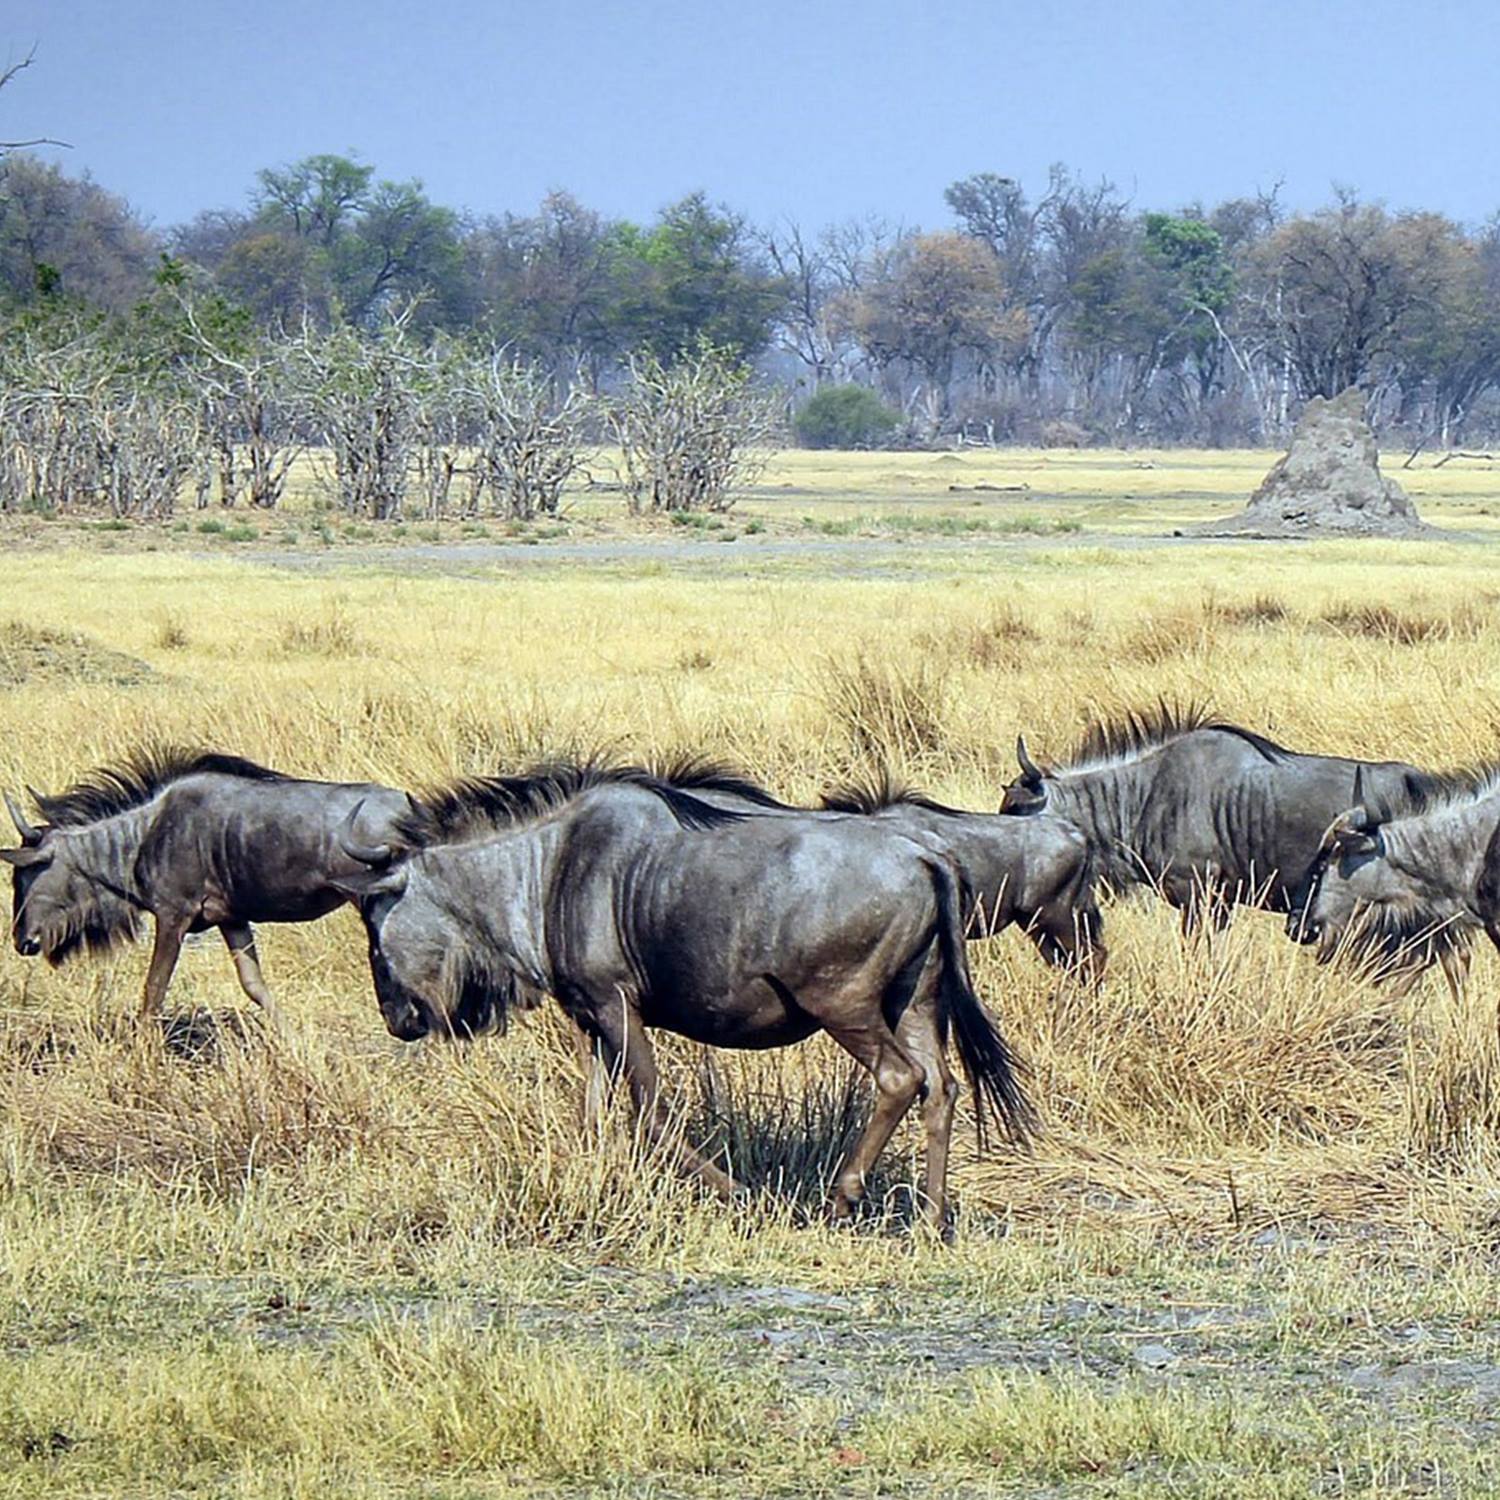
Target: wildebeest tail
(993, 1071)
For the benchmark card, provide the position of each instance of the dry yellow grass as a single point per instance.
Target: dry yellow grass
(324, 1219)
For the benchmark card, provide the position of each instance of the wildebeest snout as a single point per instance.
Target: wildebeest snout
(1301, 928)
(405, 1021)
(27, 947)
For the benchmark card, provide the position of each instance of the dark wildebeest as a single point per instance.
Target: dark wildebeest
(1032, 873)
(193, 838)
(1402, 893)
(640, 906)
(1208, 813)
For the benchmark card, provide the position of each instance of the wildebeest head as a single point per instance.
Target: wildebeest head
(1357, 899)
(423, 979)
(58, 907)
(1028, 792)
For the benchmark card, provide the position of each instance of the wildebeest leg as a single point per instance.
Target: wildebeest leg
(628, 1051)
(898, 1081)
(595, 1077)
(920, 1036)
(1069, 941)
(170, 932)
(240, 941)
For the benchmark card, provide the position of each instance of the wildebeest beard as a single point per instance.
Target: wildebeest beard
(484, 999)
(477, 998)
(96, 925)
(1387, 940)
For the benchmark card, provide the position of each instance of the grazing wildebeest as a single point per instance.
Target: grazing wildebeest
(640, 906)
(1400, 893)
(1209, 813)
(195, 839)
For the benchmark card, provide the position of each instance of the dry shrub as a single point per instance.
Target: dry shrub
(1379, 622)
(1263, 609)
(1167, 638)
(182, 1111)
(996, 641)
(1453, 1100)
(892, 712)
(1080, 627)
(172, 633)
(1224, 1041)
(331, 634)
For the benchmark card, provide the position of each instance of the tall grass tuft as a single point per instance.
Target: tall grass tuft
(890, 711)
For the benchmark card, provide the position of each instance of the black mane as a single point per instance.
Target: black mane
(696, 773)
(881, 790)
(137, 779)
(1425, 790)
(1140, 729)
(484, 804)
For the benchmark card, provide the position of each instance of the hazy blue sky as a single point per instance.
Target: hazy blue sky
(812, 110)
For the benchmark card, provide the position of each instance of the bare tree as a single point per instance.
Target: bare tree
(690, 433)
(529, 438)
(253, 414)
(362, 401)
(84, 425)
(8, 75)
(805, 329)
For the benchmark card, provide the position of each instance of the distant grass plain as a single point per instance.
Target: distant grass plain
(1255, 1253)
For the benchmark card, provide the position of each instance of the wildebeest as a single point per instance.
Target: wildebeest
(1035, 873)
(1404, 892)
(640, 906)
(1209, 813)
(197, 840)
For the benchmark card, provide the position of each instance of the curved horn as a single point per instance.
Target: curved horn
(1030, 771)
(29, 835)
(366, 854)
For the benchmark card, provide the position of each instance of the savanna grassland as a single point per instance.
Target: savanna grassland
(1255, 1253)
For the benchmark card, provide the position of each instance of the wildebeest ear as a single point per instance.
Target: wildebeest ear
(1354, 832)
(359, 884)
(29, 855)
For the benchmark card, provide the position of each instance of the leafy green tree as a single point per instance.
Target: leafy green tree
(315, 198)
(401, 246)
(544, 283)
(691, 279)
(278, 277)
(845, 416)
(1448, 351)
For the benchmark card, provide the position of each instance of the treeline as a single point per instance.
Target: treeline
(1062, 315)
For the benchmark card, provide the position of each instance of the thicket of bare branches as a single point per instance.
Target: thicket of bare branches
(529, 435)
(691, 432)
(187, 398)
(253, 413)
(83, 428)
